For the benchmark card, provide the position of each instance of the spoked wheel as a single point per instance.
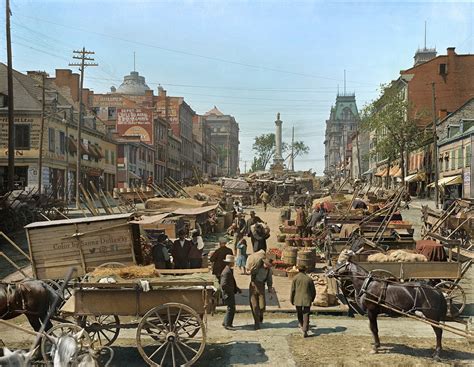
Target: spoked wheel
(276, 201)
(172, 334)
(105, 328)
(48, 342)
(455, 297)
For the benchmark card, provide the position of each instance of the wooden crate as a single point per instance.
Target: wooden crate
(83, 243)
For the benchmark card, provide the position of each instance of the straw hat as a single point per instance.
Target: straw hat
(229, 259)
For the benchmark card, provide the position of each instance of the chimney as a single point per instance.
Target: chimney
(161, 91)
(66, 78)
(37, 75)
(451, 51)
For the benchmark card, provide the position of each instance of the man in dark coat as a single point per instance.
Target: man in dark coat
(302, 296)
(250, 222)
(218, 257)
(161, 257)
(180, 251)
(229, 289)
(195, 253)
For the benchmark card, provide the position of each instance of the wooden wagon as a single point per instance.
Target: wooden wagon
(444, 275)
(168, 317)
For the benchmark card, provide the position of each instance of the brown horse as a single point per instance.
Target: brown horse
(372, 294)
(32, 298)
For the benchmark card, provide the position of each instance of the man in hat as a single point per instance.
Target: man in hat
(300, 220)
(229, 289)
(250, 222)
(180, 251)
(259, 276)
(302, 296)
(265, 198)
(159, 252)
(218, 257)
(195, 253)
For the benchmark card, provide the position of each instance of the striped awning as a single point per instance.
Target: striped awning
(447, 181)
(382, 172)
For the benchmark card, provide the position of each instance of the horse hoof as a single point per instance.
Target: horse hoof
(436, 357)
(374, 351)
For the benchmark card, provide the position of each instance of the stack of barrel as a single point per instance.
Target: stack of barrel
(294, 256)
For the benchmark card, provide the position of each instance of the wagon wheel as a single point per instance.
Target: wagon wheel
(104, 328)
(164, 335)
(383, 274)
(276, 201)
(47, 344)
(455, 297)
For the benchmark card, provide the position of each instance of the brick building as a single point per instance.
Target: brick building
(180, 118)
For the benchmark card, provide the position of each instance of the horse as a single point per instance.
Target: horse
(372, 294)
(32, 298)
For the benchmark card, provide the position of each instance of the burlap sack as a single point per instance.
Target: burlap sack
(324, 295)
(254, 259)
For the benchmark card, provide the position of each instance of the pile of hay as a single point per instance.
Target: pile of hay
(126, 272)
(208, 192)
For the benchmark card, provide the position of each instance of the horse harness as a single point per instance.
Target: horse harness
(381, 299)
(12, 290)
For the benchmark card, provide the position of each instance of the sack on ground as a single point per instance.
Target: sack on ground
(324, 297)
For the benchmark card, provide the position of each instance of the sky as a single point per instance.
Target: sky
(251, 59)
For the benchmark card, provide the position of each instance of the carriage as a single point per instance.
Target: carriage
(168, 315)
(166, 310)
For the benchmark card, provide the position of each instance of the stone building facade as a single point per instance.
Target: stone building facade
(341, 125)
(224, 131)
(60, 145)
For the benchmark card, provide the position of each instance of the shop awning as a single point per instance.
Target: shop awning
(382, 172)
(417, 177)
(84, 149)
(446, 181)
(395, 171)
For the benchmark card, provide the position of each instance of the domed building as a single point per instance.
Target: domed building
(133, 84)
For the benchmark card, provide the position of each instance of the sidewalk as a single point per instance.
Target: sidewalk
(417, 203)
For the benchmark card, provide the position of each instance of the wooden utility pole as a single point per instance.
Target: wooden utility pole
(11, 123)
(435, 145)
(83, 56)
(41, 137)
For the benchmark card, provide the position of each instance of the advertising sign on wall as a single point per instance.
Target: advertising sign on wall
(135, 122)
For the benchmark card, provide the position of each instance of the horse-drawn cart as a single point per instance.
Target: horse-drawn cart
(167, 314)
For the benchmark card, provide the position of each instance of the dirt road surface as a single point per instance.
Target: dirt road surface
(333, 341)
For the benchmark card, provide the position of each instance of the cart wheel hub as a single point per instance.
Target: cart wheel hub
(171, 337)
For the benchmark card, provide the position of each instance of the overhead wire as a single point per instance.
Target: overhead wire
(212, 58)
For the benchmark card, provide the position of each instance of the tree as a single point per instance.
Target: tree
(395, 129)
(264, 147)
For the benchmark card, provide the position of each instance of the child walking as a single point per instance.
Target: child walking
(242, 256)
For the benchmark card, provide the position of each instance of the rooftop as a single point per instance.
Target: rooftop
(133, 84)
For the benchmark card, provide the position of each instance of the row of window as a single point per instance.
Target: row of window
(456, 158)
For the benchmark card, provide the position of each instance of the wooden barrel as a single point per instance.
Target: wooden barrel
(306, 258)
(288, 255)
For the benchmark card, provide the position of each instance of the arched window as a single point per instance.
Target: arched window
(346, 113)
